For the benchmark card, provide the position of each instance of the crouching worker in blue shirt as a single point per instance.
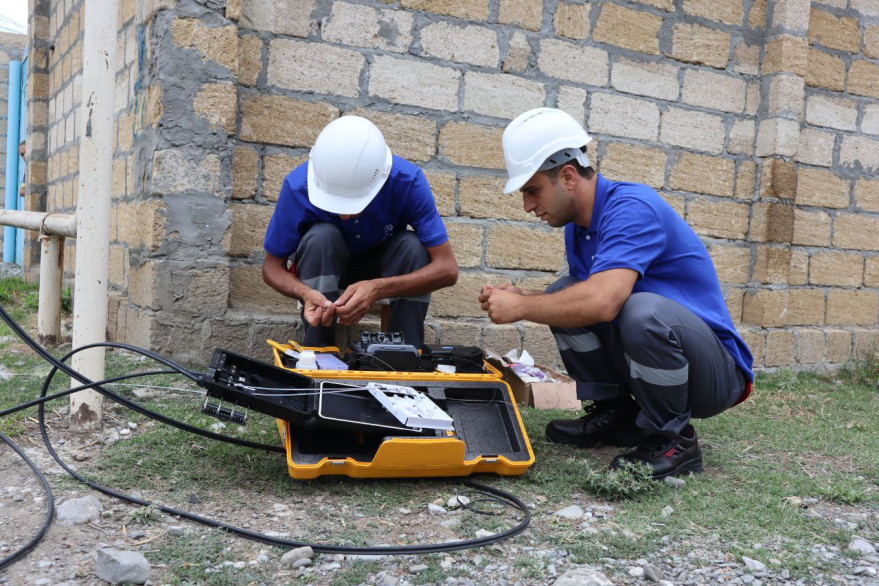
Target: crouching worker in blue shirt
(640, 323)
(342, 218)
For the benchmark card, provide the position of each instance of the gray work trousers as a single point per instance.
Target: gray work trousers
(659, 353)
(324, 263)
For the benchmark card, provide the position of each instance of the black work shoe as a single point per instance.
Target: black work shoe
(666, 456)
(605, 422)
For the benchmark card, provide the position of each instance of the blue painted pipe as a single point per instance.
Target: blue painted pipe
(12, 140)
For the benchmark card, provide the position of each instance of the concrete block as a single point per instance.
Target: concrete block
(811, 228)
(181, 170)
(556, 56)
(867, 194)
(742, 138)
(824, 70)
(218, 44)
(472, 145)
(645, 78)
(629, 162)
(482, 196)
(791, 14)
(841, 269)
(274, 119)
(275, 169)
(411, 137)
(473, 45)
(314, 67)
(859, 151)
(631, 29)
(622, 116)
(694, 43)
(466, 239)
(247, 230)
(527, 14)
(858, 308)
(815, 147)
(810, 346)
(834, 32)
(500, 95)
(693, 130)
(505, 248)
(718, 219)
(285, 18)
(816, 187)
(786, 95)
(838, 347)
(863, 79)
(786, 54)
(779, 348)
(469, 9)
(363, 26)
(725, 11)
(245, 172)
(778, 136)
(199, 291)
(855, 231)
(414, 83)
(572, 20)
(702, 174)
(832, 112)
(732, 263)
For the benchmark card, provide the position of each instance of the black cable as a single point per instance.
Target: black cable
(50, 507)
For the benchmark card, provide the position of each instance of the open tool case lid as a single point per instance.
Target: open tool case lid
(343, 426)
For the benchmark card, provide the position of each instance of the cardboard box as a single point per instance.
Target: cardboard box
(546, 395)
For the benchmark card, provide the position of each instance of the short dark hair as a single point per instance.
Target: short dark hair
(584, 172)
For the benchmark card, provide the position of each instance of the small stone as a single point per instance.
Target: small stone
(132, 425)
(176, 530)
(653, 573)
(666, 511)
(571, 512)
(297, 554)
(483, 533)
(302, 563)
(676, 482)
(418, 568)
(754, 565)
(861, 545)
(458, 500)
(636, 572)
(433, 509)
(117, 566)
(193, 498)
(79, 511)
(124, 432)
(137, 535)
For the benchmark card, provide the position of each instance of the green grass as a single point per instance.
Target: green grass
(799, 436)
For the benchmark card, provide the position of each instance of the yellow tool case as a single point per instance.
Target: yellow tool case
(351, 433)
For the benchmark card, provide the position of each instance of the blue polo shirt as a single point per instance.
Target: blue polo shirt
(633, 228)
(404, 200)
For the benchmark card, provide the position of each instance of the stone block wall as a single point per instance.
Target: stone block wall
(757, 121)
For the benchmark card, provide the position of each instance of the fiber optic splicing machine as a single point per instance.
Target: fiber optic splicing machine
(366, 417)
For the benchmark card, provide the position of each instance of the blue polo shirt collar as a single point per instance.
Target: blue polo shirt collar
(601, 186)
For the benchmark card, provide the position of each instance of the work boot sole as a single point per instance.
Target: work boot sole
(623, 439)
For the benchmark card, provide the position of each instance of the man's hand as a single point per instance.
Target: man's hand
(502, 302)
(319, 311)
(356, 301)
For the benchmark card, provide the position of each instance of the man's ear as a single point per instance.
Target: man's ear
(569, 176)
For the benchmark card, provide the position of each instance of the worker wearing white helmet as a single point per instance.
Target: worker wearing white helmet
(342, 218)
(640, 322)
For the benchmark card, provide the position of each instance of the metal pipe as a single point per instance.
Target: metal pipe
(44, 222)
(12, 139)
(93, 207)
(51, 270)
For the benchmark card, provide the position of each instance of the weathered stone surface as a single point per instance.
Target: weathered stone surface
(443, 186)
(629, 162)
(815, 147)
(825, 70)
(518, 54)
(714, 91)
(838, 347)
(694, 43)
(791, 14)
(779, 348)
(280, 120)
(871, 41)
(786, 53)
(693, 130)
(482, 196)
(364, 26)
(867, 194)
(116, 566)
(466, 239)
(863, 79)
(780, 265)
(472, 145)
(718, 219)
(725, 11)
(631, 29)
(786, 95)
(834, 32)
(286, 18)
(778, 136)
(871, 271)
(462, 299)
(832, 112)
(742, 138)
(870, 121)
(856, 231)
(501, 95)
(572, 100)
(572, 20)
(859, 151)
(275, 169)
(314, 67)
(247, 291)
(79, 511)
(746, 58)
(843, 269)
(140, 224)
(247, 230)
(143, 285)
(866, 344)
(415, 83)
(756, 341)
(645, 78)
(810, 346)
(732, 263)
(217, 102)
(820, 188)
(622, 116)
(784, 307)
(249, 59)
(811, 228)
(469, 9)
(702, 174)
(473, 45)
(411, 137)
(556, 57)
(218, 44)
(859, 308)
(527, 14)
(506, 248)
(746, 177)
(779, 179)
(180, 170)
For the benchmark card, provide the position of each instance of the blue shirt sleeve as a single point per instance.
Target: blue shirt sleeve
(630, 236)
(422, 213)
(282, 236)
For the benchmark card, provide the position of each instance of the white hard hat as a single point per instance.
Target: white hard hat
(348, 165)
(541, 139)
